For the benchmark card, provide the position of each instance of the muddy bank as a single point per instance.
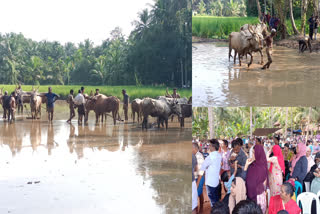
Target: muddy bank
(292, 42)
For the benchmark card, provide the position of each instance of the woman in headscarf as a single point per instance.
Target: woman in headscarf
(238, 193)
(257, 178)
(299, 165)
(309, 158)
(276, 170)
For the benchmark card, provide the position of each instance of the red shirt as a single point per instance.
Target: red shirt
(276, 205)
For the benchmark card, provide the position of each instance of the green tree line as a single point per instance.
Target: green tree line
(157, 52)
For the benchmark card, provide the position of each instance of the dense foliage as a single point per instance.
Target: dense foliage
(133, 91)
(235, 121)
(158, 51)
(293, 15)
(220, 7)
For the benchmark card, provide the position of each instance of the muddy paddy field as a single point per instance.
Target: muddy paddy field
(292, 80)
(63, 168)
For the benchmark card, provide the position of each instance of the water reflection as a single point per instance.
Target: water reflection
(95, 168)
(218, 82)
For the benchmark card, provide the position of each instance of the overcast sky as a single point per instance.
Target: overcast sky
(69, 20)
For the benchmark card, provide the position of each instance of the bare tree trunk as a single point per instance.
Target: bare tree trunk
(304, 5)
(315, 7)
(259, 9)
(281, 9)
(211, 124)
(295, 30)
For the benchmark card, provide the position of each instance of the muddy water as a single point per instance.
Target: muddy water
(93, 169)
(292, 80)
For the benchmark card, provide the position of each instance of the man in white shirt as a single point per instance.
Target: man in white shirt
(200, 159)
(211, 166)
(80, 101)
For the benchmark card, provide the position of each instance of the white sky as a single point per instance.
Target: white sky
(69, 20)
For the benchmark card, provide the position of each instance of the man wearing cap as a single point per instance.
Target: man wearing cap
(125, 103)
(269, 42)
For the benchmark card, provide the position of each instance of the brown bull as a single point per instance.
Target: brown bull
(102, 104)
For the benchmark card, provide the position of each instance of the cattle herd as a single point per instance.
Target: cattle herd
(249, 39)
(162, 108)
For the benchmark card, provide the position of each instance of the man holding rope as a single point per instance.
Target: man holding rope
(51, 98)
(269, 41)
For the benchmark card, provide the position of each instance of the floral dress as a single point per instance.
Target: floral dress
(275, 178)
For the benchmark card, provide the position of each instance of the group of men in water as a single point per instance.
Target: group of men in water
(10, 102)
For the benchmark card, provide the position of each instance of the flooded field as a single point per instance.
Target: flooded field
(62, 168)
(292, 80)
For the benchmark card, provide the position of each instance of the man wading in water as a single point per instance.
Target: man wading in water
(71, 106)
(125, 103)
(50, 103)
(269, 41)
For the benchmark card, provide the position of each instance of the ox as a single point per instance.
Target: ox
(162, 109)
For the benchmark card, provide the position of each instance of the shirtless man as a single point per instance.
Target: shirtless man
(71, 106)
(174, 95)
(269, 42)
(12, 108)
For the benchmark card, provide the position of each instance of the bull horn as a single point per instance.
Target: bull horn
(250, 29)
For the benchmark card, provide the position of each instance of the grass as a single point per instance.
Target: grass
(132, 91)
(218, 27)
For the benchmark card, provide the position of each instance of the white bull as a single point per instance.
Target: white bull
(244, 42)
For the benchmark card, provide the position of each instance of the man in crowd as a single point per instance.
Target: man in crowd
(194, 186)
(239, 155)
(51, 98)
(125, 103)
(71, 106)
(212, 170)
(200, 159)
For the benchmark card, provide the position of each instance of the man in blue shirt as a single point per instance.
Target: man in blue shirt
(51, 98)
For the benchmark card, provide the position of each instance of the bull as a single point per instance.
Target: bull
(35, 104)
(102, 104)
(161, 108)
(261, 30)
(136, 108)
(243, 43)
